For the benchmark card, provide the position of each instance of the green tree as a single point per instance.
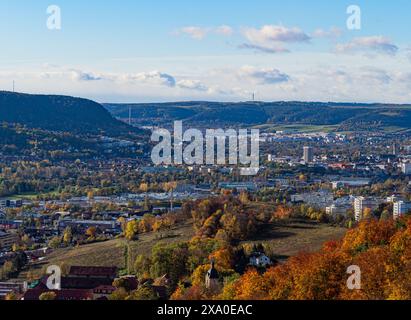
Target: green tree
(142, 266)
(171, 260)
(143, 293)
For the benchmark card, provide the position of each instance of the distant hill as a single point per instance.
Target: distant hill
(348, 116)
(60, 113)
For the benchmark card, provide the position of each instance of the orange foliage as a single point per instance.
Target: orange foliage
(381, 249)
(282, 213)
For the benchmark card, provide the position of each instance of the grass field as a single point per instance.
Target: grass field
(289, 238)
(111, 253)
(284, 240)
(297, 128)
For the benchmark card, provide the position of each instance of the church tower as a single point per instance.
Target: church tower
(212, 278)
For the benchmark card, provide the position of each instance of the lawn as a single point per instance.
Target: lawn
(289, 238)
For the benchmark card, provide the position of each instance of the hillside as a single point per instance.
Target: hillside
(346, 116)
(59, 113)
(283, 240)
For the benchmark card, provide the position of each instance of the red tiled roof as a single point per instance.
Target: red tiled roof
(93, 271)
(84, 283)
(65, 294)
(104, 288)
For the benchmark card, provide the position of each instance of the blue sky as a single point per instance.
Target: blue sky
(215, 50)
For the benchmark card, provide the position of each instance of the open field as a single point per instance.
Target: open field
(284, 240)
(297, 128)
(111, 253)
(289, 238)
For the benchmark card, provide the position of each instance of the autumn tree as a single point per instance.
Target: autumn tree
(67, 236)
(48, 296)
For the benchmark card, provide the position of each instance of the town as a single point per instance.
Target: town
(106, 197)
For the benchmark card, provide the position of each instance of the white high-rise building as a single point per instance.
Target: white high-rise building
(362, 203)
(406, 168)
(401, 208)
(308, 155)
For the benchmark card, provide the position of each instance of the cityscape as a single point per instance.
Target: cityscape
(291, 180)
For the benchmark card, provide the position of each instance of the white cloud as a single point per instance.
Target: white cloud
(373, 75)
(408, 53)
(197, 33)
(192, 85)
(78, 75)
(152, 77)
(270, 33)
(332, 33)
(263, 76)
(263, 49)
(271, 38)
(224, 30)
(373, 44)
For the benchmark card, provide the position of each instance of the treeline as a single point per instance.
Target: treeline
(380, 248)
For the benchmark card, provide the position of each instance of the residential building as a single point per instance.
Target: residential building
(259, 260)
(6, 203)
(11, 287)
(350, 183)
(81, 283)
(393, 199)
(104, 226)
(406, 168)
(401, 208)
(361, 204)
(239, 186)
(319, 200)
(7, 239)
(336, 210)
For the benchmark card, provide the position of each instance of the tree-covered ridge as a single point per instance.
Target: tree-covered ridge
(347, 115)
(60, 113)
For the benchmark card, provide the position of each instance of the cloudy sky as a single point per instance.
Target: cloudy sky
(154, 50)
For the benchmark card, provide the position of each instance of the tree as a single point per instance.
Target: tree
(11, 297)
(143, 293)
(48, 296)
(91, 233)
(122, 283)
(169, 260)
(367, 213)
(8, 269)
(67, 236)
(54, 242)
(282, 213)
(119, 295)
(142, 266)
(131, 230)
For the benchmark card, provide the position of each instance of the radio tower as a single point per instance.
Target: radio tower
(13, 85)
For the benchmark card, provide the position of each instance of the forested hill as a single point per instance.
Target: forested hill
(59, 113)
(348, 116)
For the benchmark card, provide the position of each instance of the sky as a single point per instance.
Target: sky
(159, 50)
